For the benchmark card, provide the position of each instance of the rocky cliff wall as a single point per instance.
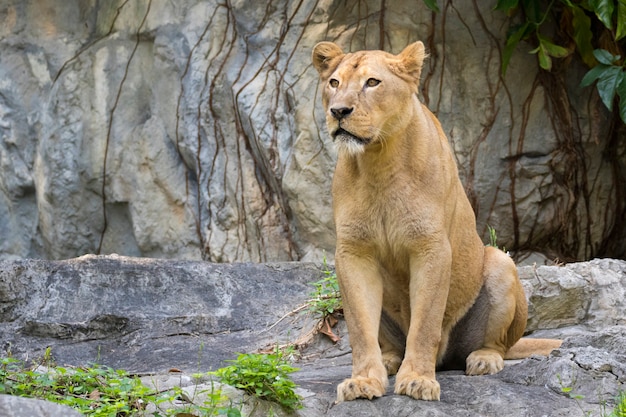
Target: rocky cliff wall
(194, 130)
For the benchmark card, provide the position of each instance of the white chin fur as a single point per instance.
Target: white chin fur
(349, 147)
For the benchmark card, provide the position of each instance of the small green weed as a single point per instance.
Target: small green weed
(493, 239)
(99, 391)
(620, 407)
(263, 375)
(326, 299)
(618, 411)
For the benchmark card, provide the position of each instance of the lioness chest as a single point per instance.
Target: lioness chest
(390, 219)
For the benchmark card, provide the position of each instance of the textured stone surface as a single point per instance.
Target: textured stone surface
(591, 364)
(194, 129)
(593, 293)
(26, 407)
(148, 315)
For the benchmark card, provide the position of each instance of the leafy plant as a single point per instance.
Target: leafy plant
(100, 391)
(326, 299)
(611, 80)
(620, 407)
(493, 238)
(432, 5)
(535, 18)
(264, 375)
(179, 404)
(594, 29)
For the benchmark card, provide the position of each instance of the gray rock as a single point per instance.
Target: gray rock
(11, 406)
(591, 293)
(193, 130)
(147, 315)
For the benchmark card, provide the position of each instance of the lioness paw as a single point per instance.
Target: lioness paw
(418, 387)
(484, 362)
(360, 387)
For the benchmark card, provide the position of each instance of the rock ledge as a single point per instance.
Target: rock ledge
(148, 316)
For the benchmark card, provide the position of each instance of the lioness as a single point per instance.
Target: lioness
(420, 290)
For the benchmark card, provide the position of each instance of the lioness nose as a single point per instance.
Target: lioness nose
(341, 112)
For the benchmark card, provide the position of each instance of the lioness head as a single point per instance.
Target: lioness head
(367, 95)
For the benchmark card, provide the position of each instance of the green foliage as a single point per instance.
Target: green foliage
(265, 376)
(620, 407)
(326, 299)
(432, 5)
(595, 29)
(611, 80)
(493, 238)
(213, 405)
(535, 17)
(618, 411)
(99, 391)
(546, 50)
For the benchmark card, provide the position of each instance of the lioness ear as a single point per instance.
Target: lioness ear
(324, 53)
(411, 61)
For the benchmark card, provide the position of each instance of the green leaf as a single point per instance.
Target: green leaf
(432, 5)
(621, 20)
(621, 92)
(607, 85)
(233, 412)
(544, 59)
(605, 57)
(545, 50)
(604, 10)
(593, 74)
(551, 48)
(506, 5)
(532, 10)
(511, 43)
(582, 35)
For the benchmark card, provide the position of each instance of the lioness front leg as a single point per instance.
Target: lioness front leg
(362, 293)
(428, 289)
(507, 313)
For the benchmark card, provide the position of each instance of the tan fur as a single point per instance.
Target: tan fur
(409, 261)
(527, 347)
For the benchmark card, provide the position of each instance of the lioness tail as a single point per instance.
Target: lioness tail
(526, 347)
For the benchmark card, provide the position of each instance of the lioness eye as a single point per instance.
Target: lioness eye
(333, 83)
(372, 82)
